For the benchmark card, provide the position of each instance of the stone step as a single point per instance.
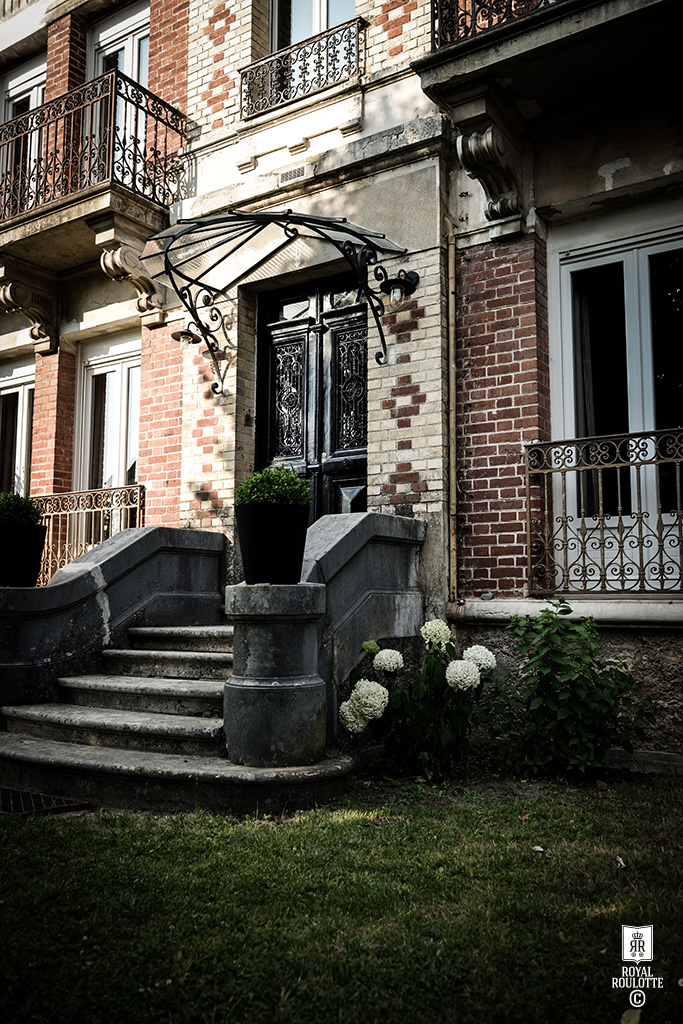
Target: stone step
(136, 693)
(133, 780)
(109, 727)
(168, 664)
(217, 639)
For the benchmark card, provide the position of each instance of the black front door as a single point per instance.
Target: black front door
(312, 382)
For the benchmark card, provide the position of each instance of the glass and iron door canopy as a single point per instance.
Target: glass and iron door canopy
(312, 412)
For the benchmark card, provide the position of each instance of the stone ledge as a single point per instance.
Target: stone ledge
(636, 613)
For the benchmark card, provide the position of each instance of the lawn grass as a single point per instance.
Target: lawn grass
(399, 903)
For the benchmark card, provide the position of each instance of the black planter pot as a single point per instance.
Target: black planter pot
(272, 540)
(22, 551)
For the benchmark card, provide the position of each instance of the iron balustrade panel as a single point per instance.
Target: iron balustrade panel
(79, 520)
(456, 20)
(108, 131)
(307, 67)
(605, 514)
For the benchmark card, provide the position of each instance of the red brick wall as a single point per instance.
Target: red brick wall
(53, 423)
(168, 46)
(66, 56)
(161, 388)
(393, 16)
(502, 402)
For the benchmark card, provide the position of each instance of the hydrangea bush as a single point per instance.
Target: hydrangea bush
(427, 720)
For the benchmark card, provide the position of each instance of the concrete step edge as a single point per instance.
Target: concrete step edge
(112, 720)
(152, 686)
(135, 654)
(161, 767)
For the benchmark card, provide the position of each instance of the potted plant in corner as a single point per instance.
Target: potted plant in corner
(22, 538)
(272, 509)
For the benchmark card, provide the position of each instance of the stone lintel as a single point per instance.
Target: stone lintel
(36, 302)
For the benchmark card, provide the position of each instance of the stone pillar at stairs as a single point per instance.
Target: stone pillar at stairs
(275, 701)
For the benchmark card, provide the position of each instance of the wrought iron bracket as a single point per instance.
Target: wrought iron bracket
(190, 253)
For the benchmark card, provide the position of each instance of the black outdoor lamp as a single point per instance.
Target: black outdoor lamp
(399, 287)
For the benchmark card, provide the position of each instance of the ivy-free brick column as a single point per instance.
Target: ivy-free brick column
(161, 389)
(53, 423)
(168, 43)
(66, 55)
(502, 403)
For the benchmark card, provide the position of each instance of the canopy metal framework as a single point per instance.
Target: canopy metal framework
(204, 260)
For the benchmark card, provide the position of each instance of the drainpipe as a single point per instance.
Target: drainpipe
(452, 479)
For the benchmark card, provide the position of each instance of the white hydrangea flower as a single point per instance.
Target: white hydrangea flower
(483, 658)
(388, 661)
(369, 699)
(351, 718)
(460, 675)
(436, 632)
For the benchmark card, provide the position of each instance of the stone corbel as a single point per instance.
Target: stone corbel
(20, 294)
(489, 149)
(489, 157)
(121, 243)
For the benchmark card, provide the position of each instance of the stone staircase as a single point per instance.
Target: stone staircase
(145, 732)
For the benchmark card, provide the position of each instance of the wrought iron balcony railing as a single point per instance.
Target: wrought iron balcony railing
(309, 66)
(109, 131)
(456, 20)
(605, 514)
(78, 520)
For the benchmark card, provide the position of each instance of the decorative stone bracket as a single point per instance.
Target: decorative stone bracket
(20, 294)
(121, 242)
(489, 148)
(489, 157)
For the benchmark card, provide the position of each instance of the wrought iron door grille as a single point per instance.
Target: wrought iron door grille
(78, 520)
(456, 20)
(109, 131)
(605, 514)
(307, 67)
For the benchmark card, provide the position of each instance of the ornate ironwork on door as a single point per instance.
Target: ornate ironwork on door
(313, 353)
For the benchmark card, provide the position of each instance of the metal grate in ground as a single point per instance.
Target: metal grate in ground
(17, 801)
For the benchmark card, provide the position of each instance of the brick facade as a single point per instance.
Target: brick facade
(161, 441)
(53, 423)
(503, 402)
(66, 55)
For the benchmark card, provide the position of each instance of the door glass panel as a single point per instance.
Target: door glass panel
(294, 308)
(133, 425)
(98, 430)
(666, 306)
(339, 11)
(9, 414)
(601, 382)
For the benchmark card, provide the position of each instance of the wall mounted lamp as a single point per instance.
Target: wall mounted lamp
(399, 287)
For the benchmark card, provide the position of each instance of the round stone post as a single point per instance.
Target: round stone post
(275, 701)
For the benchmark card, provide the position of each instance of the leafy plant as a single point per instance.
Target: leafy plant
(428, 717)
(16, 510)
(569, 706)
(281, 486)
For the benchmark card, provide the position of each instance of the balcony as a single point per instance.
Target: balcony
(605, 514)
(308, 67)
(454, 21)
(79, 520)
(108, 145)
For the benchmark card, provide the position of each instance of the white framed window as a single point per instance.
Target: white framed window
(616, 355)
(295, 20)
(16, 424)
(121, 43)
(23, 88)
(108, 413)
(616, 324)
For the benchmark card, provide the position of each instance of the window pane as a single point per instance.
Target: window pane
(133, 425)
(9, 413)
(339, 11)
(98, 415)
(29, 439)
(666, 298)
(600, 378)
(143, 61)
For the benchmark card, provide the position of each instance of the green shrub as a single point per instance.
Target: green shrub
(427, 719)
(18, 511)
(568, 707)
(281, 486)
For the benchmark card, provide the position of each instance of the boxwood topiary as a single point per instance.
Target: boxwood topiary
(16, 510)
(281, 486)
